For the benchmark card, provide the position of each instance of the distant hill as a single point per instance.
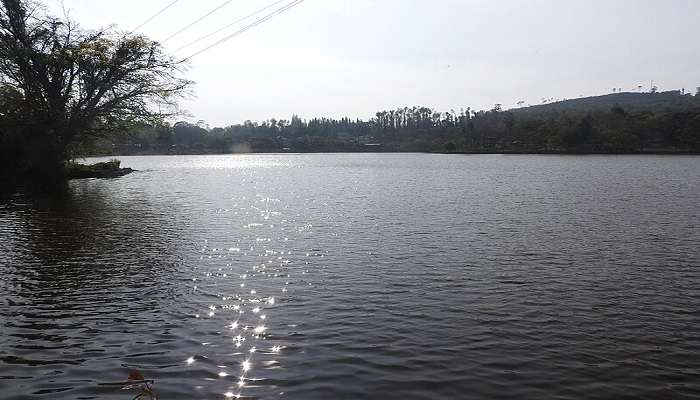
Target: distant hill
(629, 101)
(666, 122)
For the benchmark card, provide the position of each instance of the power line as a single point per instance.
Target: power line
(155, 15)
(248, 27)
(197, 21)
(230, 25)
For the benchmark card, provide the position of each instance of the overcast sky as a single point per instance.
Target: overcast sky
(354, 57)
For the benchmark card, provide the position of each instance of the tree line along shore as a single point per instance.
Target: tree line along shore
(67, 92)
(667, 122)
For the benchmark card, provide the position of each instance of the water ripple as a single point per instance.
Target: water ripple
(357, 276)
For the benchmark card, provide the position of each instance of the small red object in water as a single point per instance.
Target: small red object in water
(135, 375)
(137, 381)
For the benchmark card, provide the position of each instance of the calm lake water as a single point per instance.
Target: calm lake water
(358, 276)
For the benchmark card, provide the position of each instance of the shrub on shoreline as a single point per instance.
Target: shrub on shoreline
(107, 169)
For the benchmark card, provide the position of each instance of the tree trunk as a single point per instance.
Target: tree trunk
(44, 157)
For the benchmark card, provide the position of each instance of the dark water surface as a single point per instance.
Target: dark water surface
(358, 276)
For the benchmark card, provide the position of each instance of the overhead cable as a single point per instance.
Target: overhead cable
(154, 16)
(248, 27)
(230, 25)
(227, 2)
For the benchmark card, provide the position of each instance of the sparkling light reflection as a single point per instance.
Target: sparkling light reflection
(242, 275)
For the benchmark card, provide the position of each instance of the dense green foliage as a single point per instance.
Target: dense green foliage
(666, 122)
(61, 87)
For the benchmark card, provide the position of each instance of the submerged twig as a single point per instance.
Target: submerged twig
(137, 381)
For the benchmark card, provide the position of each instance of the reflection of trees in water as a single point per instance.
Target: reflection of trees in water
(89, 236)
(92, 260)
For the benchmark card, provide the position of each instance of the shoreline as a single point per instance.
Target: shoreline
(534, 153)
(101, 170)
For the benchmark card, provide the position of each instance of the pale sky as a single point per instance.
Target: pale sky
(352, 58)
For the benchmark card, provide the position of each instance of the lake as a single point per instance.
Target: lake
(357, 276)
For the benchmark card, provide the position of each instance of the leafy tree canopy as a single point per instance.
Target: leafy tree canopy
(61, 85)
